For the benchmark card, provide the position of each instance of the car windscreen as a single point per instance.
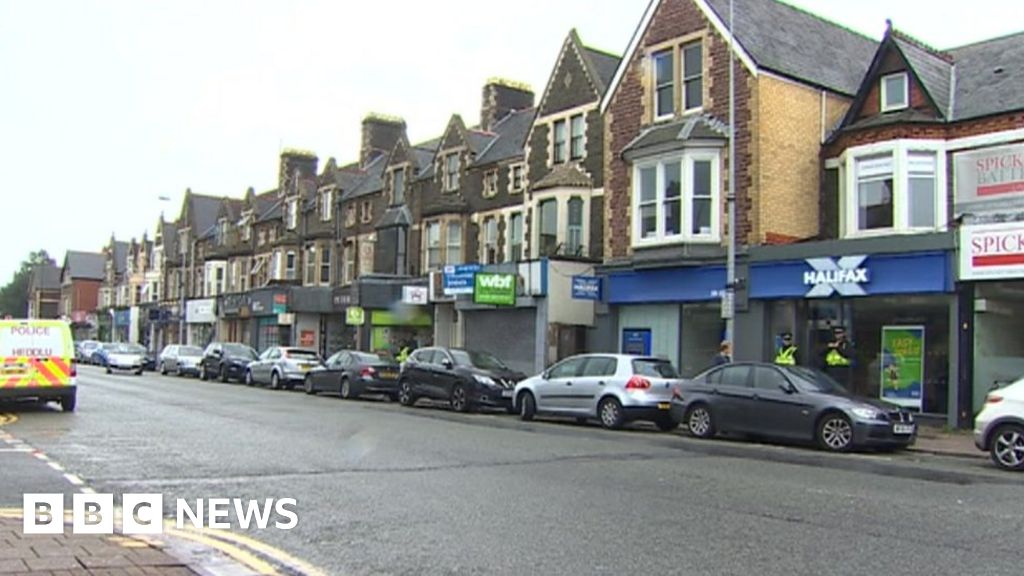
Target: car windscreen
(654, 368)
(190, 351)
(368, 359)
(240, 351)
(812, 380)
(111, 346)
(302, 355)
(133, 349)
(482, 360)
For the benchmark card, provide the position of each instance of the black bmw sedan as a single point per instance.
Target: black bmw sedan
(790, 403)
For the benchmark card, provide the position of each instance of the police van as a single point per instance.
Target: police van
(37, 360)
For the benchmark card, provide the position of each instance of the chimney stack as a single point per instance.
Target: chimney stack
(380, 134)
(500, 97)
(295, 165)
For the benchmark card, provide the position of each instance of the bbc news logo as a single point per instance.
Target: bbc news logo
(144, 513)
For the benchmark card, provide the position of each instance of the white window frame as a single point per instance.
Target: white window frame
(510, 232)
(289, 265)
(684, 79)
(490, 183)
(326, 207)
(900, 150)
(310, 268)
(574, 234)
(349, 257)
(489, 240)
(452, 166)
(293, 213)
(432, 242)
(687, 159)
(884, 92)
(670, 52)
(453, 243)
(521, 168)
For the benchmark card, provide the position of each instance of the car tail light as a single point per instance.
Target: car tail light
(74, 368)
(367, 372)
(638, 383)
(993, 399)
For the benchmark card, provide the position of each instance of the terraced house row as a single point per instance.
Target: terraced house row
(879, 187)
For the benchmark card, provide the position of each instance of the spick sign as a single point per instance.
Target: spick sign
(144, 513)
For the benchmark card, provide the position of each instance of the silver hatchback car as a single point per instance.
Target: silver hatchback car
(614, 388)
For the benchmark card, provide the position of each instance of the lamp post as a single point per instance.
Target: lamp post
(729, 302)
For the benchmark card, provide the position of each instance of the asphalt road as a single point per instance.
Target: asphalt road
(383, 489)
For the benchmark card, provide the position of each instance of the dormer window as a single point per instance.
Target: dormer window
(398, 187)
(222, 231)
(895, 92)
(245, 226)
(451, 172)
(326, 207)
(292, 213)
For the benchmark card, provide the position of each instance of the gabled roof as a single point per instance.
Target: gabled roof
(783, 39)
(478, 140)
(371, 182)
(169, 237)
(120, 254)
(933, 70)
(203, 211)
(45, 277)
(84, 265)
(989, 77)
(511, 132)
(395, 216)
(603, 65)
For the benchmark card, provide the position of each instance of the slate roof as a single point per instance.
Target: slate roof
(665, 137)
(980, 90)
(372, 180)
(45, 277)
(446, 204)
(511, 136)
(169, 234)
(603, 66)
(120, 256)
(798, 44)
(564, 176)
(478, 140)
(204, 211)
(86, 265)
(396, 216)
(932, 69)
(424, 154)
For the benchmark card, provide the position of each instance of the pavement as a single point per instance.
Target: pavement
(958, 443)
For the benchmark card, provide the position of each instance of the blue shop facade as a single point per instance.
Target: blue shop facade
(896, 297)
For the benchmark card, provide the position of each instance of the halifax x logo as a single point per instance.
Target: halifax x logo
(828, 276)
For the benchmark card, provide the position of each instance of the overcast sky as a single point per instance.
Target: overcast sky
(107, 106)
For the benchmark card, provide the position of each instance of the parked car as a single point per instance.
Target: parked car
(281, 367)
(788, 402)
(349, 373)
(124, 357)
(467, 379)
(180, 360)
(100, 354)
(85, 349)
(999, 427)
(614, 388)
(148, 358)
(226, 360)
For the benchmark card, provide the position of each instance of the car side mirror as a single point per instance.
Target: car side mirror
(788, 388)
(545, 375)
(447, 364)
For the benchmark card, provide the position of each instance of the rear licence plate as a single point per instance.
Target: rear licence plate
(506, 393)
(664, 405)
(902, 428)
(388, 375)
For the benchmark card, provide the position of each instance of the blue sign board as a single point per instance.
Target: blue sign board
(122, 317)
(586, 287)
(636, 341)
(459, 279)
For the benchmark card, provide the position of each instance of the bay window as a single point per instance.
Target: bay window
(675, 198)
(433, 237)
(453, 251)
(894, 187)
(515, 237)
(490, 241)
(547, 216)
(574, 237)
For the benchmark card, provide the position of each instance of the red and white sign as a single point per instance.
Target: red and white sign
(992, 251)
(989, 173)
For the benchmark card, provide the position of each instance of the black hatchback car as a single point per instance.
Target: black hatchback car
(226, 361)
(788, 402)
(466, 379)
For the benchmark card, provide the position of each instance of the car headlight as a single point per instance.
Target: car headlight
(865, 413)
(484, 379)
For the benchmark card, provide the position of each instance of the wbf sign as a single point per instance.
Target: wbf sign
(845, 276)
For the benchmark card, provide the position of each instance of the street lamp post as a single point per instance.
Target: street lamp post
(729, 302)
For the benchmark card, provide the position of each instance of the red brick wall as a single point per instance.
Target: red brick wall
(873, 101)
(673, 19)
(85, 295)
(963, 129)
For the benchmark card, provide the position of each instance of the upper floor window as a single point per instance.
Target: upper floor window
(433, 237)
(515, 237)
(366, 212)
(292, 213)
(559, 142)
(222, 231)
(262, 238)
(490, 241)
(574, 237)
(453, 250)
(245, 227)
(490, 183)
(451, 172)
(894, 92)
(398, 187)
(326, 206)
(350, 215)
(325, 265)
(693, 76)
(664, 83)
(350, 262)
(310, 267)
(547, 217)
(576, 144)
(688, 77)
(895, 187)
(516, 178)
(289, 266)
(675, 199)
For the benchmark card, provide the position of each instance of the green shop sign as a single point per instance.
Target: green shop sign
(355, 316)
(497, 289)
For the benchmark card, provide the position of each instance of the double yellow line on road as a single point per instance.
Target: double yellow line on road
(7, 419)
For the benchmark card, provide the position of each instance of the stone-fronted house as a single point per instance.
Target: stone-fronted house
(81, 276)
(666, 166)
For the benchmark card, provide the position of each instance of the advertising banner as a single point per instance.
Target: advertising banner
(586, 288)
(902, 365)
(636, 341)
(992, 251)
(459, 279)
(497, 289)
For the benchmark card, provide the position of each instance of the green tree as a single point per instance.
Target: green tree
(14, 296)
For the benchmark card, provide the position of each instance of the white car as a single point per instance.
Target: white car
(127, 357)
(999, 427)
(614, 388)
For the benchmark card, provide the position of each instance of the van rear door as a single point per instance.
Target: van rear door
(35, 354)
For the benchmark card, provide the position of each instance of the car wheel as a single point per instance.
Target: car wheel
(405, 397)
(307, 385)
(527, 406)
(109, 371)
(346, 389)
(610, 413)
(699, 421)
(459, 401)
(248, 378)
(223, 373)
(666, 424)
(67, 403)
(835, 433)
(1008, 447)
(275, 381)
(163, 369)
(138, 372)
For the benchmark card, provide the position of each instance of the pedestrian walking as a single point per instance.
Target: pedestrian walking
(724, 355)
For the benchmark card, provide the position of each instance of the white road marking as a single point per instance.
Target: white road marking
(74, 479)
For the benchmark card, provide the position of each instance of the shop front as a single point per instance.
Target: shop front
(122, 322)
(899, 311)
(319, 325)
(272, 323)
(200, 320)
(234, 315)
(395, 312)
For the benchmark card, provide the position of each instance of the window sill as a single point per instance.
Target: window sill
(897, 108)
(881, 233)
(657, 242)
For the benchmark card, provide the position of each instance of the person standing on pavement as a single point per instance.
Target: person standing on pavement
(785, 354)
(839, 356)
(724, 353)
